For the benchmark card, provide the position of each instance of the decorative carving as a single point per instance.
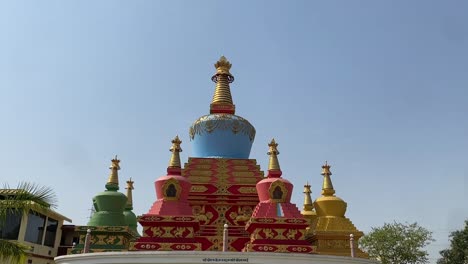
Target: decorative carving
(202, 216)
(268, 233)
(171, 189)
(241, 168)
(278, 191)
(291, 234)
(242, 215)
(157, 231)
(243, 173)
(245, 189)
(179, 231)
(198, 188)
(210, 123)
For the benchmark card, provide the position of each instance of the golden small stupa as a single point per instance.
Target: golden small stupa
(308, 210)
(330, 230)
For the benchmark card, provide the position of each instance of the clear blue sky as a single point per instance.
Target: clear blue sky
(377, 88)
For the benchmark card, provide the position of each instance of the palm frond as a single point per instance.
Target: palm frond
(12, 251)
(26, 197)
(41, 195)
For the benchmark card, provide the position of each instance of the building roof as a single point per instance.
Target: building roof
(49, 212)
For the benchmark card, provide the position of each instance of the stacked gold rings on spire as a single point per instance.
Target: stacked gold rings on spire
(273, 152)
(113, 180)
(222, 98)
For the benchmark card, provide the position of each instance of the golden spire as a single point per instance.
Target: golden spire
(308, 204)
(273, 164)
(222, 99)
(308, 209)
(175, 149)
(113, 181)
(327, 187)
(129, 194)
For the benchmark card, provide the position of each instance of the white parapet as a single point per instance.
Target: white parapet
(204, 257)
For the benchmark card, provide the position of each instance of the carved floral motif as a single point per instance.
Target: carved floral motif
(210, 123)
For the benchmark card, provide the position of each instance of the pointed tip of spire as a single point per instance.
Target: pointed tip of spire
(130, 184)
(129, 195)
(326, 169)
(223, 66)
(273, 153)
(327, 187)
(113, 180)
(273, 146)
(174, 162)
(176, 142)
(307, 188)
(115, 162)
(308, 203)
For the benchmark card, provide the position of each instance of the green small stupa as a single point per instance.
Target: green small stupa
(111, 228)
(110, 204)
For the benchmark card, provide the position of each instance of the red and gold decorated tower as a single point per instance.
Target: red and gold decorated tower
(222, 175)
(169, 224)
(221, 185)
(276, 224)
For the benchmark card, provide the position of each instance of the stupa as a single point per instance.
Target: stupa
(113, 224)
(220, 187)
(330, 231)
(276, 224)
(169, 224)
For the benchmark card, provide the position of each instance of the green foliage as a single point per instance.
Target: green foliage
(12, 251)
(397, 243)
(24, 198)
(458, 251)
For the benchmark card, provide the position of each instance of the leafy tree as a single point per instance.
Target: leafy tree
(26, 197)
(458, 251)
(397, 243)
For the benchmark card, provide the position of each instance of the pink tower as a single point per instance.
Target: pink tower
(276, 224)
(169, 224)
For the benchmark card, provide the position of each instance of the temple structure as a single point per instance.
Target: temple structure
(330, 230)
(169, 224)
(221, 185)
(113, 224)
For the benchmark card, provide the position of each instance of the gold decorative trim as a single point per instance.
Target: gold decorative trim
(171, 193)
(210, 123)
(246, 189)
(198, 188)
(273, 190)
(243, 174)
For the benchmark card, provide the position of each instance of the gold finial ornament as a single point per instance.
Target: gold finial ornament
(223, 66)
(175, 149)
(308, 207)
(114, 175)
(222, 98)
(129, 193)
(327, 187)
(273, 153)
(307, 198)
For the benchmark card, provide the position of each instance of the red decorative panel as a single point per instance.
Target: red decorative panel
(265, 248)
(183, 247)
(299, 249)
(146, 246)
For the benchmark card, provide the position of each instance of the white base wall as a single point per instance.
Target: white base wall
(204, 257)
